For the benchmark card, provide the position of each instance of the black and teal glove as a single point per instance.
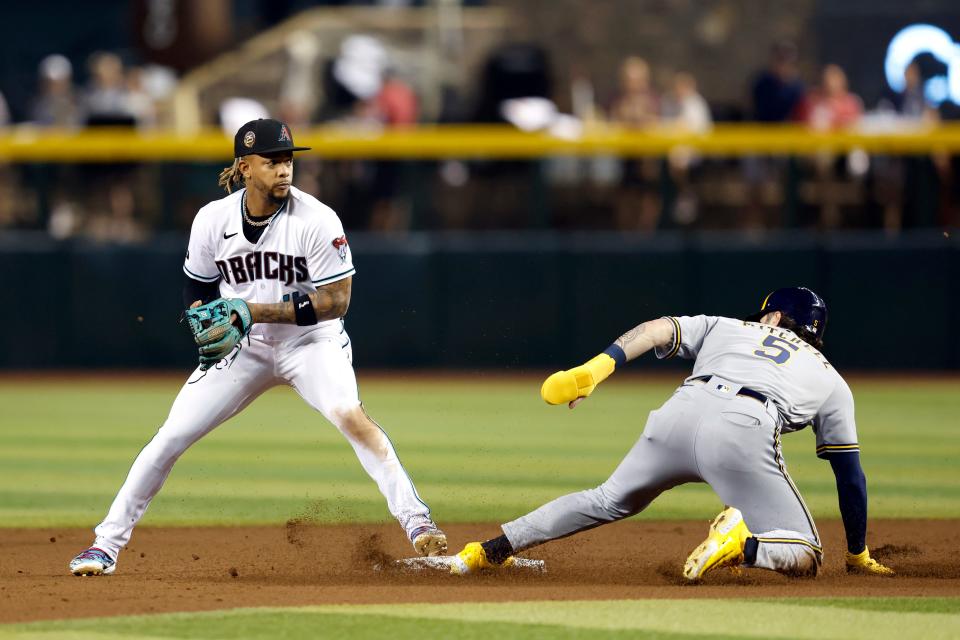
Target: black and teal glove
(214, 329)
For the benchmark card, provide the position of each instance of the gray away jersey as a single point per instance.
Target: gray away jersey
(796, 377)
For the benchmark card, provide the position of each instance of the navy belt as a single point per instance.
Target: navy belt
(744, 391)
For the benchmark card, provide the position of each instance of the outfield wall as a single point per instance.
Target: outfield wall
(507, 300)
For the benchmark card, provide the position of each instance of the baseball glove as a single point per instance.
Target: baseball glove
(216, 331)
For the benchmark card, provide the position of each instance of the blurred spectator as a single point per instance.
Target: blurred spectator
(396, 104)
(777, 90)
(684, 107)
(910, 104)
(56, 103)
(124, 97)
(139, 100)
(512, 71)
(11, 200)
(637, 106)
(108, 102)
(298, 94)
(359, 69)
(583, 96)
(515, 87)
(235, 112)
(832, 105)
(363, 90)
(891, 175)
(687, 110)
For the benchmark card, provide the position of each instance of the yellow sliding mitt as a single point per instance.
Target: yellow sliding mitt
(579, 382)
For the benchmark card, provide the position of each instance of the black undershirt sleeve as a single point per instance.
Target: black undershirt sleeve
(196, 290)
(207, 291)
(852, 494)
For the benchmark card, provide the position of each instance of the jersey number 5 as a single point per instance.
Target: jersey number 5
(781, 349)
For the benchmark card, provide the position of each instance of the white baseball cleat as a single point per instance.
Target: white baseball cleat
(429, 541)
(93, 562)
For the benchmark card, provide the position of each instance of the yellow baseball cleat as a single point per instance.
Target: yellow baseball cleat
(863, 563)
(722, 548)
(473, 559)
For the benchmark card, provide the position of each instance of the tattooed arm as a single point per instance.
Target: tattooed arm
(329, 301)
(573, 385)
(646, 336)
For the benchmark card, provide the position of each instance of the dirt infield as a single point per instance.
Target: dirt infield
(193, 569)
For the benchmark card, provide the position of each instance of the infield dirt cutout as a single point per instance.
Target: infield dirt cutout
(196, 569)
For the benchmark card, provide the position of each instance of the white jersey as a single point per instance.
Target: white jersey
(302, 248)
(795, 376)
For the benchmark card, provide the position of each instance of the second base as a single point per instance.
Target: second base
(442, 563)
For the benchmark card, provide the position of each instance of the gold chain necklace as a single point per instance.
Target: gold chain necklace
(262, 223)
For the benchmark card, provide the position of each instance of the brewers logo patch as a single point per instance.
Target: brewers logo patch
(249, 138)
(340, 244)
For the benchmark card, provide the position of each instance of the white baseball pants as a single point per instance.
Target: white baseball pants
(318, 367)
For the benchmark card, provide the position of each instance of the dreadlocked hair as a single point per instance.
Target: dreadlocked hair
(231, 176)
(789, 323)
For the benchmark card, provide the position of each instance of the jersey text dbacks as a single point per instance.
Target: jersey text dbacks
(264, 265)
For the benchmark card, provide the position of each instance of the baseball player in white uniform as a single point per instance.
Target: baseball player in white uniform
(752, 380)
(278, 262)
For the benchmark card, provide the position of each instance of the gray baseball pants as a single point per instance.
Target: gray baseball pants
(704, 433)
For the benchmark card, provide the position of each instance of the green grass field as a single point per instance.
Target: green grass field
(813, 618)
(487, 450)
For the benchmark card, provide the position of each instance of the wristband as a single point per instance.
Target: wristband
(618, 355)
(303, 309)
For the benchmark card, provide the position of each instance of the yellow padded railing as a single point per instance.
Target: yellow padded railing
(471, 141)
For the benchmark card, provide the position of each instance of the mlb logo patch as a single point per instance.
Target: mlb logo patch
(340, 244)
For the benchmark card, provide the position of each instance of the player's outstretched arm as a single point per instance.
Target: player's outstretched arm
(852, 495)
(571, 385)
(644, 337)
(326, 303)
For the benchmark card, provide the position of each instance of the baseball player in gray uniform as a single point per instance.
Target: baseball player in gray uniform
(752, 380)
(275, 270)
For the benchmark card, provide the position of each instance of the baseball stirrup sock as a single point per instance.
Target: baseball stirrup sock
(498, 549)
(750, 548)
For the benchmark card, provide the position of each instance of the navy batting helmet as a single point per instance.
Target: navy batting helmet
(804, 306)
